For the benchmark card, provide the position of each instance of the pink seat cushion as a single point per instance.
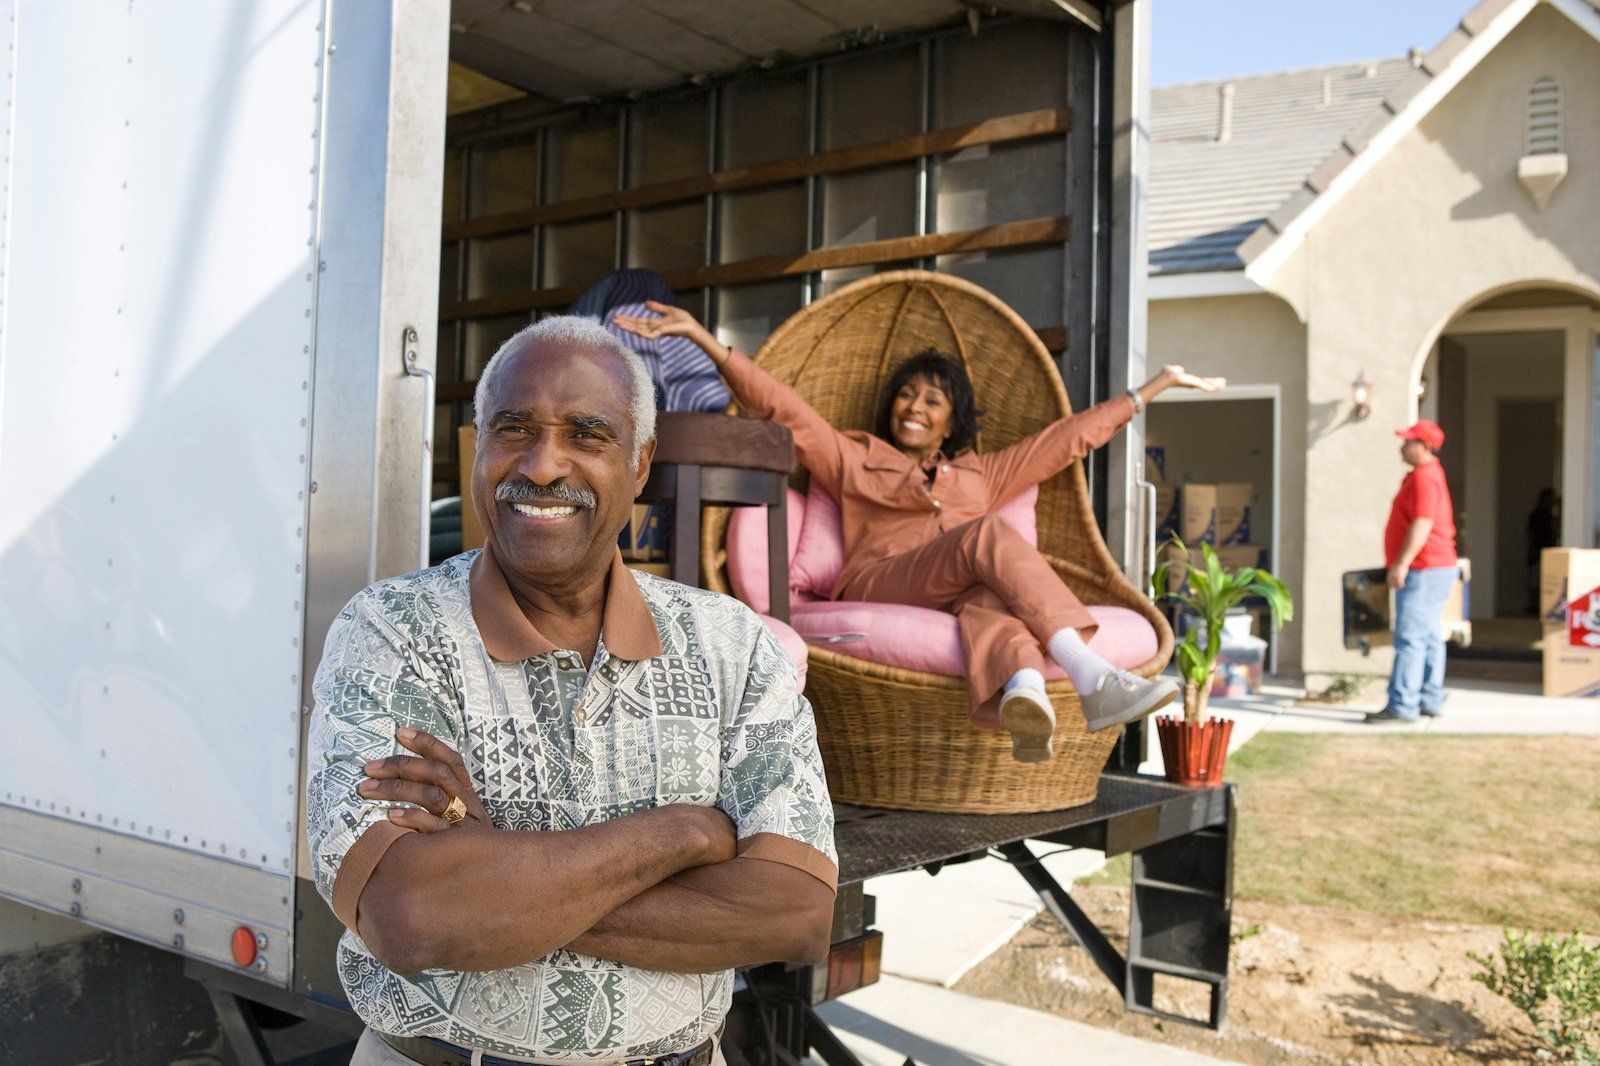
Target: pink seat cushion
(911, 638)
(747, 552)
(916, 638)
(816, 544)
(793, 644)
(817, 558)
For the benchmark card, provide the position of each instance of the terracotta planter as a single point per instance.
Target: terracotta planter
(1194, 753)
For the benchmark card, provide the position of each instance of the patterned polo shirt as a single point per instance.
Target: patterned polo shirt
(688, 699)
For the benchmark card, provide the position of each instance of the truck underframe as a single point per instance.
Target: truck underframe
(1179, 915)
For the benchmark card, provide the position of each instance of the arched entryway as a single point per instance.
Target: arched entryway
(1511, 379)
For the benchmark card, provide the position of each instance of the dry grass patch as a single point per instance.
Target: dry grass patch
(1485, 829)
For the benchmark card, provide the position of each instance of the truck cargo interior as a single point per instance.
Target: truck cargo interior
(759, 158)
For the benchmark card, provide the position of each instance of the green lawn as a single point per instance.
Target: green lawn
(1492, 830)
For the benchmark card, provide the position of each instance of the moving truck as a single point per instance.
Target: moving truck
(253, 263)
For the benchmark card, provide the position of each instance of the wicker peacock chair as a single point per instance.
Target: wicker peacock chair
(899, 738)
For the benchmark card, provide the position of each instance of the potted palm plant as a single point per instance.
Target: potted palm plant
(1195, 747)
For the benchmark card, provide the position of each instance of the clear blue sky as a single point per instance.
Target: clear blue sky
(1198, 40)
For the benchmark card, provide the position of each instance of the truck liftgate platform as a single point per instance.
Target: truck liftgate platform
(1179, 916)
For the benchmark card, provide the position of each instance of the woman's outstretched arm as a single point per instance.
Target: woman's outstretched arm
(819, 446)
(1065, 441)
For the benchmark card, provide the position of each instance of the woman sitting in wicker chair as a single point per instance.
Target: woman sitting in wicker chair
(914, 502)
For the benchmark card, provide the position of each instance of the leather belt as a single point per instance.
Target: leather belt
(431, 1052)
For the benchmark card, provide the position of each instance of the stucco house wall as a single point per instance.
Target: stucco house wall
(1252, 340)
(1438, 223)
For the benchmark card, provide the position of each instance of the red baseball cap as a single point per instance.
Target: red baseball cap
(1427, 432)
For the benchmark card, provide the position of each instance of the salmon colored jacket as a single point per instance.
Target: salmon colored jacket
(887, 503)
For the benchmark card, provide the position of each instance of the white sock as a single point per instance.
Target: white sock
(1027, 677)
(1083, 666)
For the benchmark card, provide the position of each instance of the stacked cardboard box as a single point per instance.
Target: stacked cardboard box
(1231, 556)
(647, 537)
(1569, 609)
(1155, 464)
(1169, 516)
(1216, 514)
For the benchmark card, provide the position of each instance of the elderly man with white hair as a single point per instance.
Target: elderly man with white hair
(612, 796)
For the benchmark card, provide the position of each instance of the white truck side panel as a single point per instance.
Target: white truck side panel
(155, 362)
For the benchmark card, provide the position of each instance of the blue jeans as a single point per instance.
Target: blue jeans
(1418, 677)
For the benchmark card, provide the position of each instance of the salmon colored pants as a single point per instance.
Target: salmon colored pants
(1004, 594)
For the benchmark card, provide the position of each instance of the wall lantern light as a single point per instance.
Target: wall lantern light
(1361, 395)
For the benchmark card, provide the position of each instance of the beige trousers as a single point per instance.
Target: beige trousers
(1006, 597)
(372, 1051)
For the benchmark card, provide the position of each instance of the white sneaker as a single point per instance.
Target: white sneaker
(1123, 697)
(1026, 714)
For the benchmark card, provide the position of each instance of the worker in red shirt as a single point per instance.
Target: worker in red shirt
(1419, 546)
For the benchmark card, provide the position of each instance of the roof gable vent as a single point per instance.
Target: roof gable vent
(1543, 164)
(1544, 117)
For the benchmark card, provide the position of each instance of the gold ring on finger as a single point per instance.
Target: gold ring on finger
(455, 811)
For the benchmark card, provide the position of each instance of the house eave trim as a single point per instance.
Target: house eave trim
(1201, 284)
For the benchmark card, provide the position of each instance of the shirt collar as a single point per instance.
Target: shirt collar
(882, 455)
(888, 457)
(509, 635)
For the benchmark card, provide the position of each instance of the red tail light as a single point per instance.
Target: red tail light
(244, 946)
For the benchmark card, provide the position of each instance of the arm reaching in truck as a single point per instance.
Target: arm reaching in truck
(822, 449)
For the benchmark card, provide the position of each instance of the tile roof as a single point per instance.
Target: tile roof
(1218, 206)
(1207, 197)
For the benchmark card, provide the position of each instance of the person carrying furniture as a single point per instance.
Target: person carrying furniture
(1419, 548)
(915, 503)
(618, 797)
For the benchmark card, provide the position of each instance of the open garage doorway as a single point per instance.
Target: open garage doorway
(1499, 403)
(1224, 438)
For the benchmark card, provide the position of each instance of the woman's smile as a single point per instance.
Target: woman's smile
(920, 417)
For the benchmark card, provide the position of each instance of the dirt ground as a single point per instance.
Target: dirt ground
(1308, 984)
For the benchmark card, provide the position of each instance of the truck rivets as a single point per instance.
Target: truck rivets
(177, 916)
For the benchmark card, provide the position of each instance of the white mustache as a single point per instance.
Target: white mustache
(525, 491)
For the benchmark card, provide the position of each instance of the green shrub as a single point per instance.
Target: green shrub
(1343, 688)
(1531, 973)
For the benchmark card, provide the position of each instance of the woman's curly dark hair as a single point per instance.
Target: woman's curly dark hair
(950, 376)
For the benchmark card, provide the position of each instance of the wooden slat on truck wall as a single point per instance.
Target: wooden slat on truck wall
(1027, 125)
(987, 238)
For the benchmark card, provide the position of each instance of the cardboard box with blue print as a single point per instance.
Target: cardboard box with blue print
(1169, 515)
(1155, 464)
(1216, 514)
(648, 535)
(1569, 611)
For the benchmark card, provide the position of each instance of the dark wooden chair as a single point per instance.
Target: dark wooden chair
(720, 460)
